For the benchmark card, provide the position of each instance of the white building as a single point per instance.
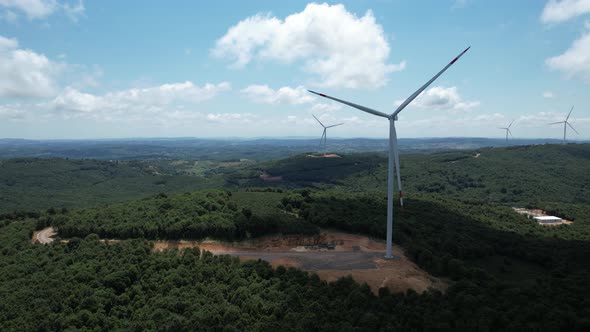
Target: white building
(547, 219)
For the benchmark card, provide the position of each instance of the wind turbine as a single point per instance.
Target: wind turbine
(393, 153)
(565, 124)
(507, 130)
(324, 137)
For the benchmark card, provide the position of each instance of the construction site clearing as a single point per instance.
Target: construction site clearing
(330, 254)
(541, 217)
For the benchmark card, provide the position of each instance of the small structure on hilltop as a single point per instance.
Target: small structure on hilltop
(541, 217)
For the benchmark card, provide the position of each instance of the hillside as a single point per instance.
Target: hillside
(489, 254)
(504, 272)
(525, 175)
(535, 176)
(31, 184)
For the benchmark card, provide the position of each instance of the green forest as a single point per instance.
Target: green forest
(505, 272)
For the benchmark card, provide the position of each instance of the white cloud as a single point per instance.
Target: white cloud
(575, 60)
(74, 11)
(548, 95)
(441, 98)
(542, 119)
(231, 117)
(32, 8)
(9, 16)
(153, 99)
(24, 73)
(561, 11)
(12, 112)
(323, 107)
(7, 43)
(339, 48)
(263, 94)
(39, 9)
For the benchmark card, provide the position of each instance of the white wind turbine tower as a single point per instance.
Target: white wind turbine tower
(393, 153)
(565, 124)
(324, 137)
(507, 130)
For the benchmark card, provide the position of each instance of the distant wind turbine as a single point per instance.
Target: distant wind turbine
(393, 152)
(507, 130)
(565, 124)
(324, 138)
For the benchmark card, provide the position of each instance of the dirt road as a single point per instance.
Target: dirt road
(44, 236)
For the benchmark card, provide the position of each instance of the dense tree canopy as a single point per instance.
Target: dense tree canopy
(506, 273)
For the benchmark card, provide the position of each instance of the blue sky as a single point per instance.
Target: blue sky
(114, 69)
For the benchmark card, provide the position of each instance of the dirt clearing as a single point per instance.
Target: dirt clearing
(355, 255)
(44, 236)
(331, 255)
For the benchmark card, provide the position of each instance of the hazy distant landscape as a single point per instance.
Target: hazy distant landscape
(226, 149)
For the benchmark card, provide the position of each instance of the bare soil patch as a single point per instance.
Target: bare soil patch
(358, 256)
(44, 236)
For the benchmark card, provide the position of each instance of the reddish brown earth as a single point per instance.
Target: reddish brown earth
(355, 255)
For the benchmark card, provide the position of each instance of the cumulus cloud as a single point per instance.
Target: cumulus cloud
(441, 98)
(541, 119)
(74, 11)
(151, 99)
(575, 60)
(32, 8)
(548, 95)
(12, 112)
(263, 94)
(9, 16)
(24, 73)
(39, 9)
(339, 48)
(323, 107)
(560, 11)
(231, 117)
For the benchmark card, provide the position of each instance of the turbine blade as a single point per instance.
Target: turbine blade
(510, 133)
(318, 120)
(362, 108)
(573, 128)
(556, 123)
(335, 125)
(510, 124)
(422, 88)
(568, 115)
